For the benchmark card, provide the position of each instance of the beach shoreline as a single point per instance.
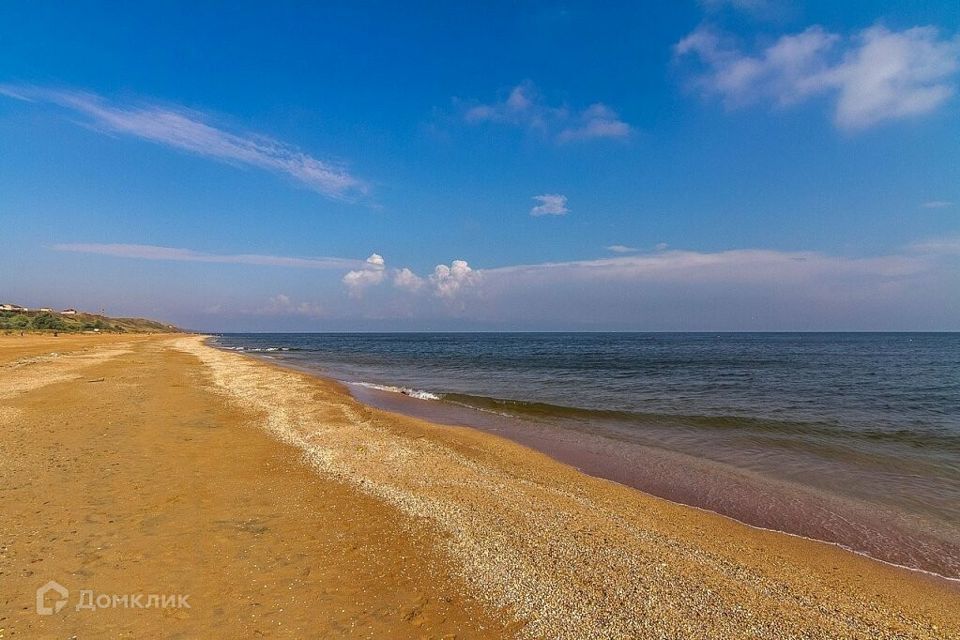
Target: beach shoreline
(515, 542)
(632, 457)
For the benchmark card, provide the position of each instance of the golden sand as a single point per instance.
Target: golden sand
(144, 465)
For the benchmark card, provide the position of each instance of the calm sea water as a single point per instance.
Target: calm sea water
(852, 438)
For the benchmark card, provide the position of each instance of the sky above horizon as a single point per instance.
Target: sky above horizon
(714, 165)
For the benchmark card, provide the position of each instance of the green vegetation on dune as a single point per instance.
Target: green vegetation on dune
(80, 322)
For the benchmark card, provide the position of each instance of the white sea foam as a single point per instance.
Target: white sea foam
(413, 393)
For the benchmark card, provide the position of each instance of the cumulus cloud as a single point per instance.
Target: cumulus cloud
(449, 281)
(154, 252)
(917, 287)
(193, 132)
(871, 77)
(406, 279)
(445, 281)
(372, 274)
(666, 289)
(524, 107)
(550, 204)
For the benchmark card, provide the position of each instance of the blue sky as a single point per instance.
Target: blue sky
(715, 165)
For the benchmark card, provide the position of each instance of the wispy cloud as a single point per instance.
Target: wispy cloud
(742, 265)
(524, 107)
(873, 76)
(282, 305)
(937, 246)
(595, 122)
(621, 248)
(754, 273)
(736, 289)
(696, 290)
(153, 252)
(915, 287)
(550, 204)
(937, 204)
(193, 132)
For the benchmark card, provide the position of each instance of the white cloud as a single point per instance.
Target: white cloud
(917, 287)
(666, 289)
(153, 252)
(370, 275)
(191, 132)
(621, 248)
(550, 204)
(787, 71)
(894, 74)
(445, 281)
(874, 76)
(523, 107)
(406, 279)
(449, 281)
(597, 121)
(937, 204)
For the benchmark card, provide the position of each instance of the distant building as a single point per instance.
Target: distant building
(45, 310)
(11, 307)
(69, 312)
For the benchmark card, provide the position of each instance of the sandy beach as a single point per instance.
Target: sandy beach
(279, 506)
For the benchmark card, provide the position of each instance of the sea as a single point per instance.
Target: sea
(848, 438)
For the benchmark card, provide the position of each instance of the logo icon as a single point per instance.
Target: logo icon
(58, 604)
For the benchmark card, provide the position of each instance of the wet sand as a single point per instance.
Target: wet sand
(875, 530)
(285, 508)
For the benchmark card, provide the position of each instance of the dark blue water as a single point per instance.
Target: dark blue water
(849, 437)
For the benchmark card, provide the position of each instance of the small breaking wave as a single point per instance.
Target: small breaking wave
(413, 393)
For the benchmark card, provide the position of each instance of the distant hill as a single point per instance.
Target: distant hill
(20, 319)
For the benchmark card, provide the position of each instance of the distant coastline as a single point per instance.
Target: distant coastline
(17, 318)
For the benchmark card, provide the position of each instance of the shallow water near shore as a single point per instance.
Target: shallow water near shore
(848, 438)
